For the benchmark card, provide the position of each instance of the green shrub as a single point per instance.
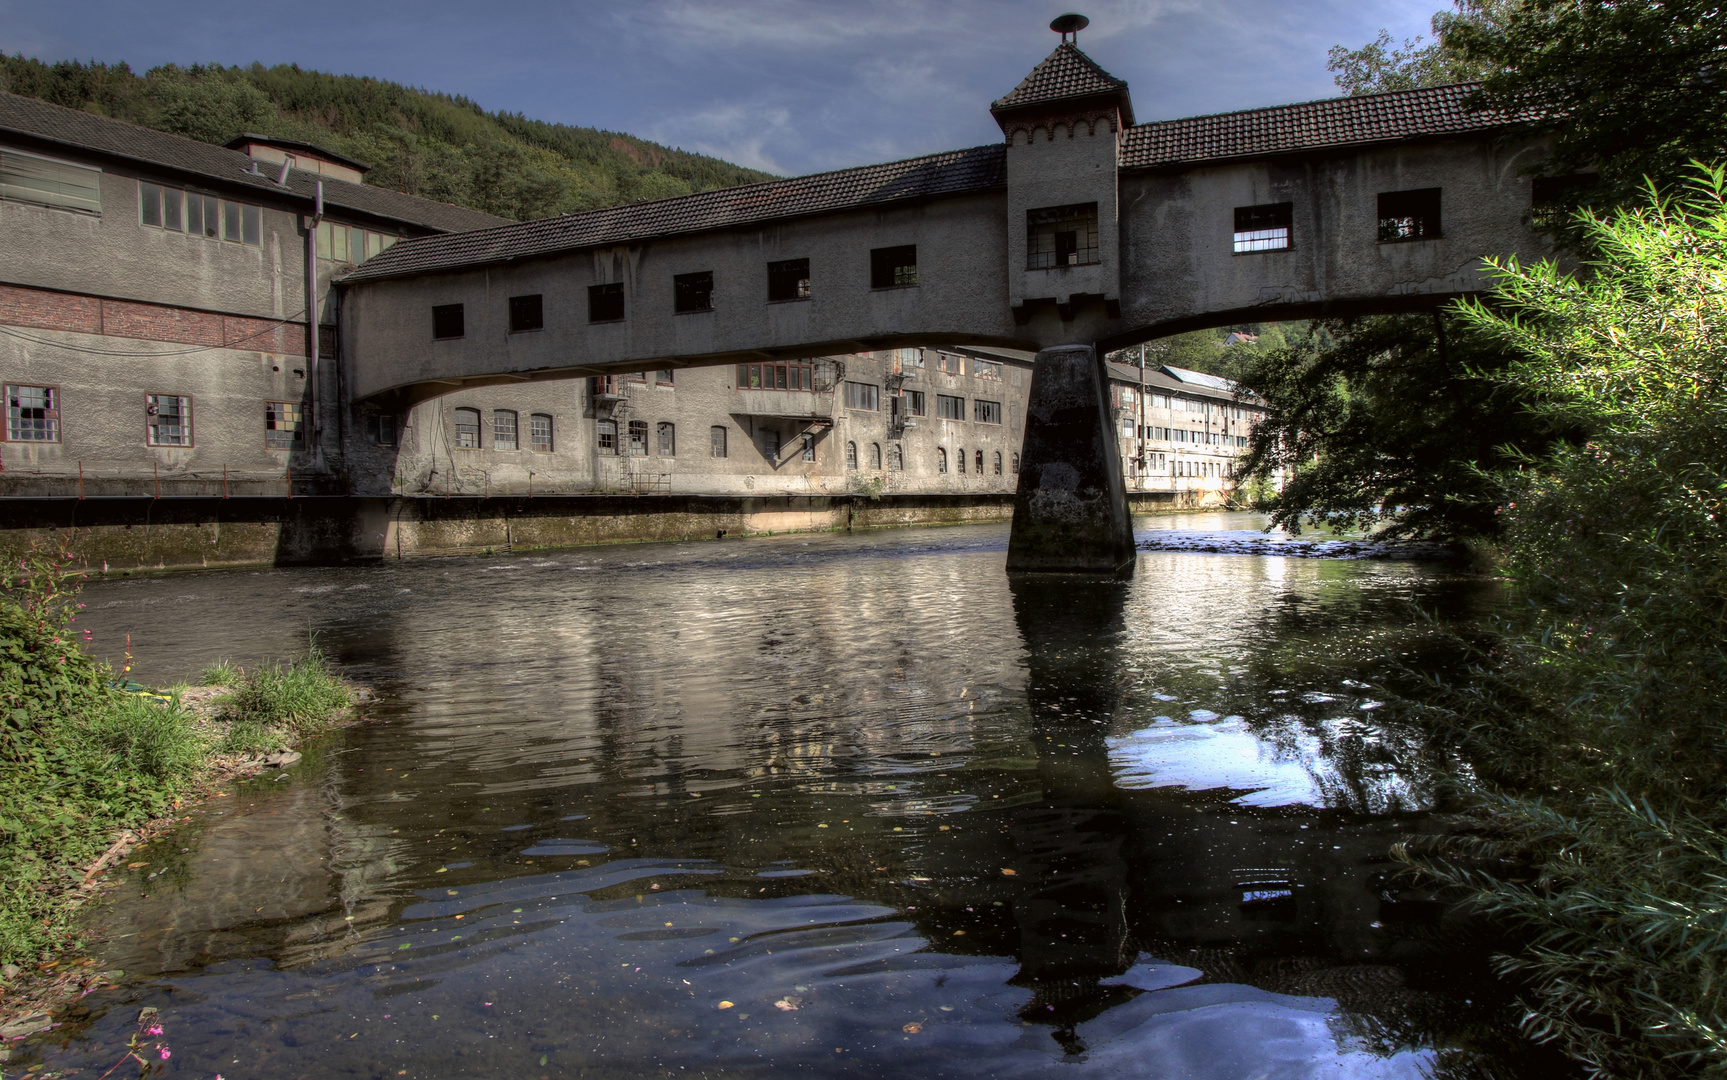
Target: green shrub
(301, 697)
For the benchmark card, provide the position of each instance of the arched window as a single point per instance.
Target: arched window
(895, 457)
(851, 455)
(540, 433)
(962, 461)
(998, 462)
(875, 455)
(468, 429)
(608, 437)
(1016, 464)
(941, 459)
(979, 460)
(717, 440)
(504, 429)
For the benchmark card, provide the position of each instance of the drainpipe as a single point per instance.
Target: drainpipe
(312, 372)
(1144, 457)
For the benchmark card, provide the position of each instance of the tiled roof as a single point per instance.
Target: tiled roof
(949, 173)
(1198, 378)
(1311, 125)
(1063, 74)
(101, 135)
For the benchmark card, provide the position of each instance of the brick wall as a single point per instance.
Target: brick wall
(44, 309)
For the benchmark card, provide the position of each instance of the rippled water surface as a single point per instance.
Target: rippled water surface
(827, 804)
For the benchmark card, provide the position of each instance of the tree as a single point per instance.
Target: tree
(1380, 66)
(1382, 423)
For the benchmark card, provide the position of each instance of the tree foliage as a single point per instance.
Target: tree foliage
(1602, 735)
(1379, 423)
(1380, 65)
(434, 145)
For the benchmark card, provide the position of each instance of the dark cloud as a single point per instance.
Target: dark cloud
(789, 85)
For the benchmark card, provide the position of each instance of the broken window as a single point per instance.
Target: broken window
(526, 313)
(504, 429)
(998, 462)
(789, 280)
(1408, 215)
(1061, 236)
(875, 455)
(167, 420)
(864, 396)
(284, 425)
(896, 457)
(776, 377)
(607, 443)
(717, 441)
(668, 438)
(980, 462)
(33, 413)
(468, 429)
(638, 430)
(941, 459)
(893, 267)
(986, 412)
(663, 377)
(986, 369)
(949, 363)
(948, 407)
(606, 302)
(961, 458)
(447, 321)
(906, 361)
(1263, 228)
(60, 184)
(809, 447)
(540, 433)
(693, 292)
(914, 404)
(851, 455)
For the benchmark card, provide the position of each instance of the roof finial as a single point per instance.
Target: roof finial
(1069, 26)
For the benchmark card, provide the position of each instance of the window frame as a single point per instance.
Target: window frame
(1411, 206)
(788, 281)
(301, 418)
(150, 440)
(1054, 255)
(551, 431)
(981, 409)
(515, 429)
(666, 439)
(5, 188)
(719, 436)
(851, 455)
(875, 456)
(456, 428)
(1256, 226)
(600, 300)
(916, 403)
(441, 316)
(858, 393)
(942, 407)
(527, 309)
(375, 428)
(691, 289)
(637, 436)
(782, 376)
(606, 438)
(52, 407)
(887, 266)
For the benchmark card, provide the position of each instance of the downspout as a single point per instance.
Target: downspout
(312, 371)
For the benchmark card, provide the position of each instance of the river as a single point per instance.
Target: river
(833, 804)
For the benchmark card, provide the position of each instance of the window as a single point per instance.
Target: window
(961, 459)
(1554, 197)
(907, 360)
(1263, 228)
(809, 442)
(601, 387)
(504, 429)
(986, 412)
(776, 377)
(526, 313)
(851, 455)
(663, 377)
(1127, 427)
(1408, 215)
(200, 215)
(893, 267)
(1016, 464)
(33, 413)
(1160, 401)
(606, 302)
(941, 459)
(607, 444)
(540, 433)
(914, 403)
(717, 441)
(60, 184)
(979, 459)
(875, 455)
(638, 430)
(948, 407)
(896, 457)
(468, 429)
(668, 437)
(771, 444)
(986, 369)
(949, 364)
(167, 420)
(864, 396)
(789, 280)
(284, 426)
(447, 321)
(1061, 236)
(381, 428)
(693, 292)
(998, 462)
(347, 243)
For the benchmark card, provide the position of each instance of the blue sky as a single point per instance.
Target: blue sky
(792, 86)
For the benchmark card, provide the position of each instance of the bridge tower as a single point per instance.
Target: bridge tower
(1063, 125)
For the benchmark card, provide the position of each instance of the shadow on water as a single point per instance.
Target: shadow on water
(845, 805)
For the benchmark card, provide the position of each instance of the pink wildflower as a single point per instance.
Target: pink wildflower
(156, 1030)
(165, 1054)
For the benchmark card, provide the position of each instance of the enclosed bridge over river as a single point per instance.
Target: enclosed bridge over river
(1080, 232)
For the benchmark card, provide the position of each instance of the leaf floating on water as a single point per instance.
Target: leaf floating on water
(788, 1004)
(443, 870)
(726, 1004)
(959, 933)
(1005, 872)
(912, 1028)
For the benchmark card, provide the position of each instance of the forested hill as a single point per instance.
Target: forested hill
(429, 144)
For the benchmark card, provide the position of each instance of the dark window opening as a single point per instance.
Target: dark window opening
(914, 404)
(789, 280)
(381, 428)
(693, 292)
(447, 321)
(776, 377)
(1554, 198)
(809, 447)
(606, 302)
(949, 408)
(960, 458)
(1016, 464)
(526, 313)
(998, 462)
(1406, 216)
(1263, 228)
(893, 267)
(986, 412)
(1061, 236)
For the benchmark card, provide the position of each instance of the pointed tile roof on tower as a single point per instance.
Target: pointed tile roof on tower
(1063, 75)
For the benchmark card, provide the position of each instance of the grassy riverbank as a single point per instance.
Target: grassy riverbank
(86, 758)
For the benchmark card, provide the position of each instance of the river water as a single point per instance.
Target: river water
(837, 804)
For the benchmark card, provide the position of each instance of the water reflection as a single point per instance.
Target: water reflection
(900, 814)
